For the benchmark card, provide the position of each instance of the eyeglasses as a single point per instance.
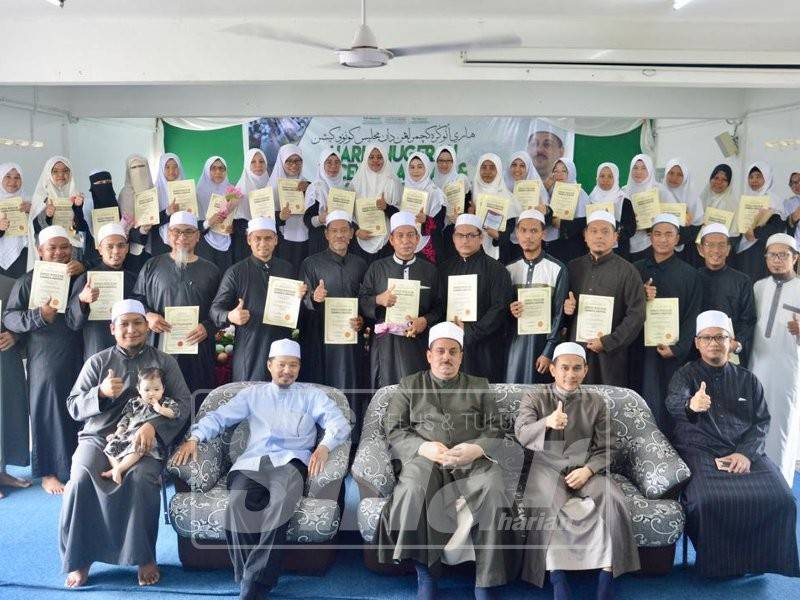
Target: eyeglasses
(466, 236)
(717, 339)
(178, 233)
(293, 161)
(778, 255)
(444, 160)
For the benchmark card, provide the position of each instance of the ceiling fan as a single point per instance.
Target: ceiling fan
(364, 51)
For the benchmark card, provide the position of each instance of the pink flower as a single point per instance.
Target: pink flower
(233, 193)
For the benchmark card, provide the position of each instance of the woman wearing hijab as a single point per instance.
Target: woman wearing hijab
(446, 173)
(569, 243)
(374, 179)
(718, 193)
(641, 178)
(791, 206)
(56, 181)
(607, 191)
(13, 249)
(489, 180)
(255, 176)
(137, 179)
(293, 246)
(214, 245)
(431, 218)
(749, 258)
(170, 168)
(329, 176)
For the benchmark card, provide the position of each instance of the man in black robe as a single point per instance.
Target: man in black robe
(665, 276)
(54, 360)
(181, 278)
(242, 296)
(484, 333)
(444, 428)
(603, 273)
(113, 249)
(102, 521)
(727, 290)
(740, 512)
(334, 273)
(529, 355)
(399, 350)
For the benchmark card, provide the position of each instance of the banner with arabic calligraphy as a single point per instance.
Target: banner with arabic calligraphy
(471, 137)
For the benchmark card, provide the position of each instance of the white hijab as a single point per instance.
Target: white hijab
(249, 182)
(530, 174)
(10, 246)
(496, 187)
(294, 230)
(640, 240)
(724, 201)
(163, 191)
(775, 202)
(319, 188)
(425, 184)
(136, 181)
(444, 179)
(613, 195)
(46, 188)
(206, 187)
(369, 184)
(683, 194)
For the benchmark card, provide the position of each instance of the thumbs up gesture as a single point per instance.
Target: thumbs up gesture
(570, 304)
(387, 298)
(701, 401)
(89, 294)
(557, 419)
(239, 315)
(111, 387)
(320, 292)
(650, 289)
(794, 325)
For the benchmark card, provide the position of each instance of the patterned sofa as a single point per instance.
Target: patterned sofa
(197, 509)
(645, 465)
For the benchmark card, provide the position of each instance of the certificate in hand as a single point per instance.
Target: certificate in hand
(50, 280)
(369, 217)
(262, 203)
(535, 318)
(606, 206)
(290, 196)
(17, 219)
(595, 317)
(716, 215)
(527, 192)
(184, 194)
(339, 199)
(145, 208)
(455, 195)
(462, 297)
(182, 319)
(662, 322)
(674, 208)
(564, 200)
(338, 313)
(63, 215)
(414, 201)
(747, 215)
(112, 288)
(498, 204)
(407, 305)
(103, 216)
(282, 306)
(218, 203)
(646, 206)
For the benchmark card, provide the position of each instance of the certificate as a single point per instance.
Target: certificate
(564, 200)
(184, 194)
(112, 287)
(339, 199)
(290, 196)
(218, 203)
(17, 219)
(646, 206)
(747, 215)
(674, 208)
(63, 214)
(716, 215)
(595, 317)
(145, 208)
(606, 206)
(526, 192)
(50, 280)
(262, 203)
(338, 313)
(407, 305)
(462, 297)
(535, 316)
(414, 201)
(455, 196)
(182, 319)
(370, 218)
(498, 204)
(661, 322)
(103, 216)
(283, 302)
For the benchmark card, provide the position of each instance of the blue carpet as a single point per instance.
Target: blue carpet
(30, 569)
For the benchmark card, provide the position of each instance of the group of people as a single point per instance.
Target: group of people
(107, 406)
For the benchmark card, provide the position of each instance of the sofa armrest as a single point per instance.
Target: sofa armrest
(372, 468)
(655, 467)
(202, 474)
(328, 484)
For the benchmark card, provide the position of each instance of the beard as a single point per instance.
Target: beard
(181, 257)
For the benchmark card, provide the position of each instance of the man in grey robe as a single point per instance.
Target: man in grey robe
(181, 278)
(100, 520)
(113, 249)
(587, 524)
(444, 428)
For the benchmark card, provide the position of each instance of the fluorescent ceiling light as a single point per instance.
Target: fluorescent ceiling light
(679, 4)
